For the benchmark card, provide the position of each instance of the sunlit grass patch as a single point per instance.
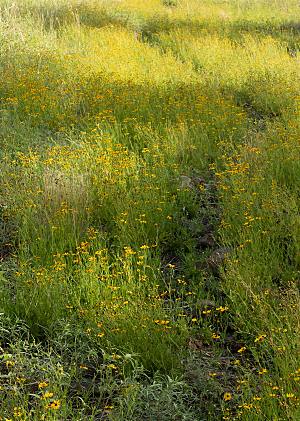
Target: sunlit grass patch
(117, 52)
(258, 71)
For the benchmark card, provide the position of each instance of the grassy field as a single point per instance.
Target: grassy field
(149, 210)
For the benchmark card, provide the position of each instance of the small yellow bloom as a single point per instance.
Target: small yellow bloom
(281, 348)
(260, 338)
(112, 366)
(162, 322)
(47, 395)
(17, 412)
(262, 371)
(243, 349)
(247, 405)
(206, 311)
(42, 385)
(227, 396)
(116, 356)
(222, 309)
(212, 374)
(83, 367)
(54, 405)
(290, 395)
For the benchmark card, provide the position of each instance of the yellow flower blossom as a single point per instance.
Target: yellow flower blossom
(42, 385)
(227, 396)
(260, 338)
(290, 395)
(47, 395)
(162, 322)
(222, 309)
(54, 405)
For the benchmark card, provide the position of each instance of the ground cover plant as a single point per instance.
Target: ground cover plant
(149, 210)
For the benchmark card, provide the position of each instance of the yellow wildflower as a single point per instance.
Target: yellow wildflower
(47, 395)
(162, 322)
(83, 367)
(290, 395)
(227, 396)
(222, 309)
(206, 311)
(260, 338)
(17, 412)
(112, 366)
(54, 405)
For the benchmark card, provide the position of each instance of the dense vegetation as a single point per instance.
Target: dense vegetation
(149, 210)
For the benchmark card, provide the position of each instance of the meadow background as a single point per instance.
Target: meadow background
(149, 210)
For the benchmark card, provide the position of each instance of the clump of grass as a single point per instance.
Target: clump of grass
(170, 3)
